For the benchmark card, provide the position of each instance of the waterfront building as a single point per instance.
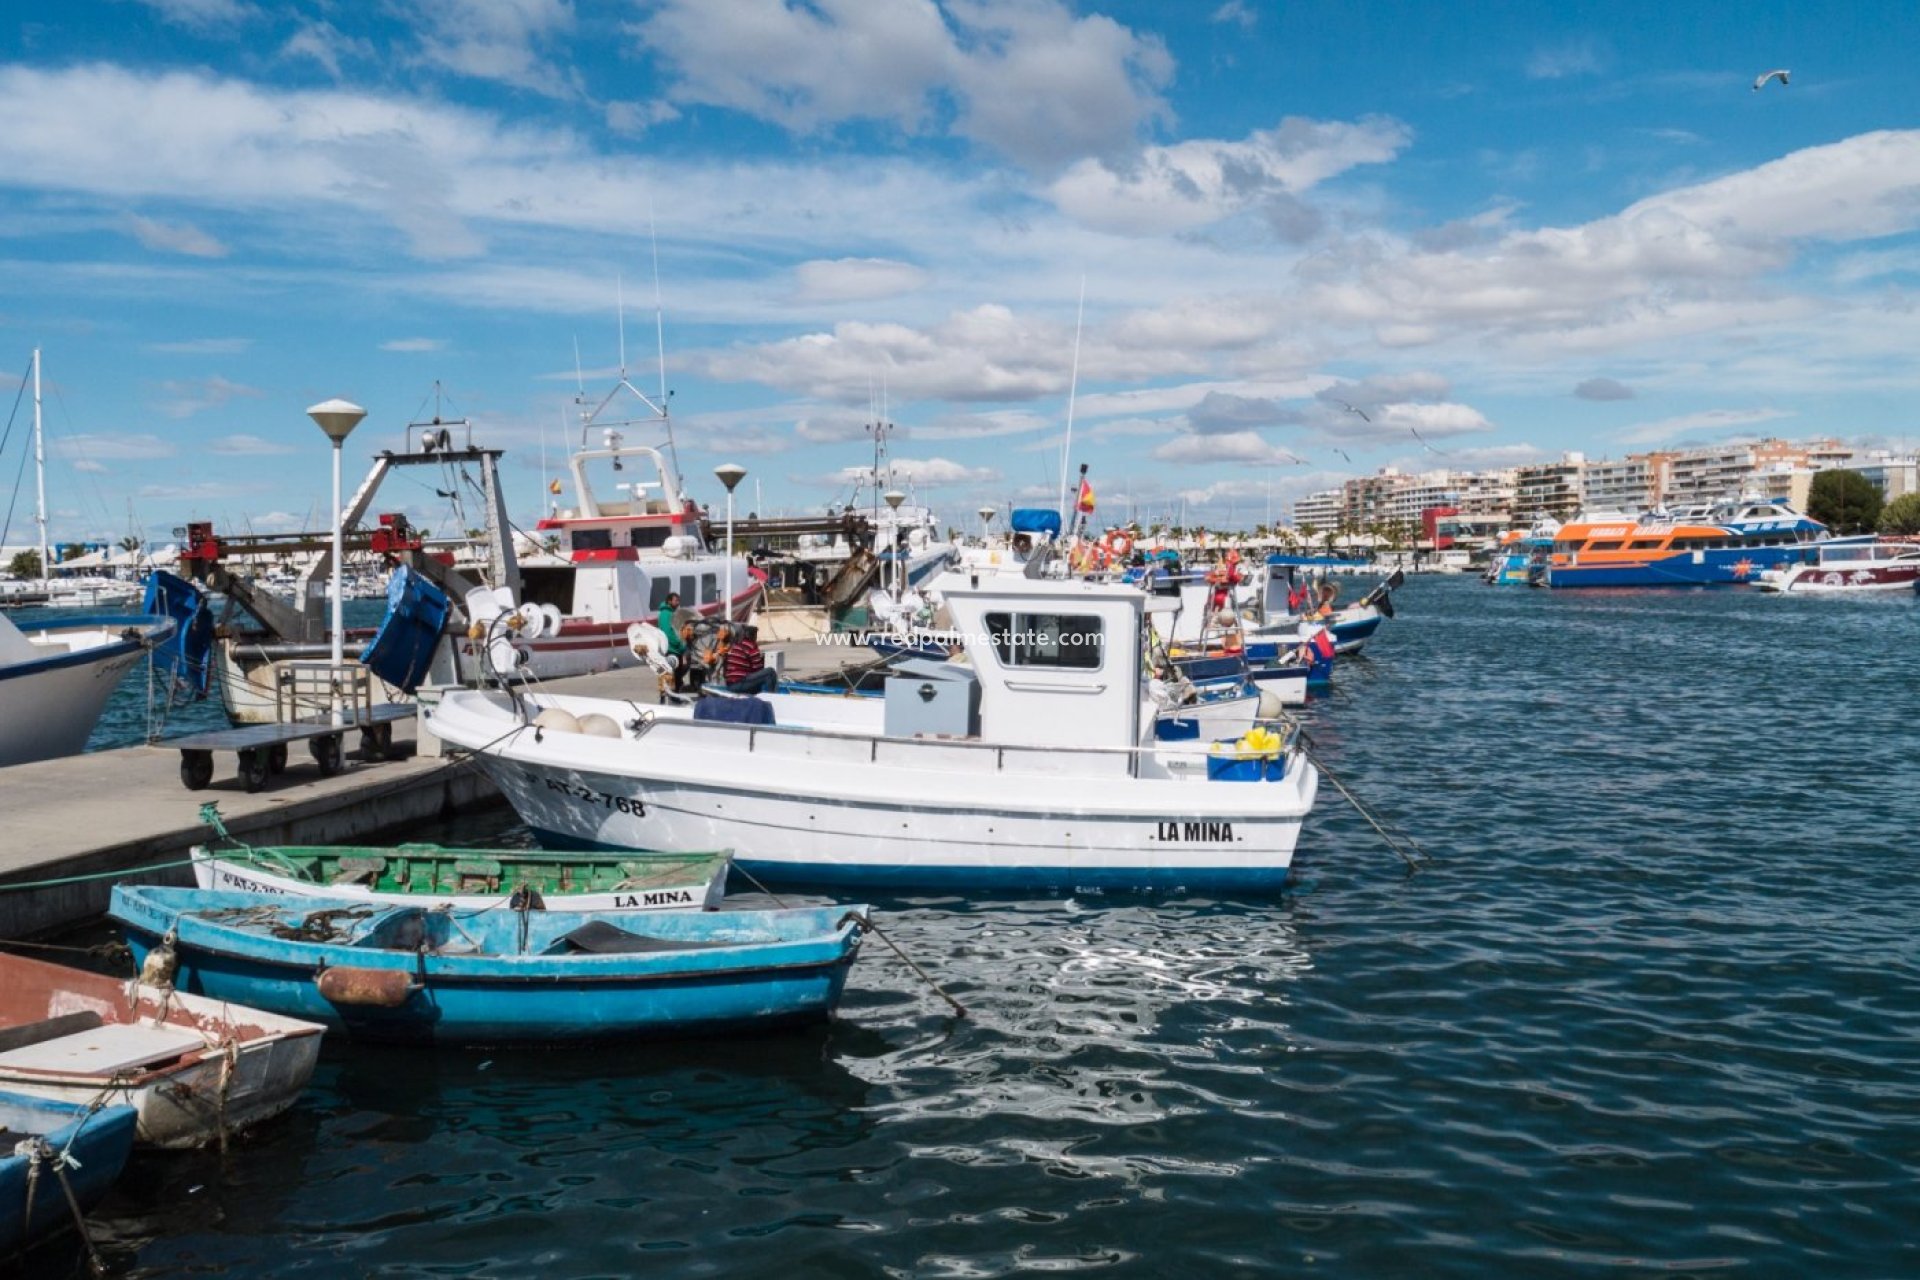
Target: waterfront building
(1548, 489)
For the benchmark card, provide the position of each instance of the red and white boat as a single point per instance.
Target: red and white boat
(623, 556)
(1842, 566)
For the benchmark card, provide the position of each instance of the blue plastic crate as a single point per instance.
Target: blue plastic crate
(1231, 769)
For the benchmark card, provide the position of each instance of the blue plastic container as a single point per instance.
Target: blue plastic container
(1232, 769)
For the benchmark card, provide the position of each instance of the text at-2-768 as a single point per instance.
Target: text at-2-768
(603, 799)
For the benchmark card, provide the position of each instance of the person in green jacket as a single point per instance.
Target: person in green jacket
(676, 646)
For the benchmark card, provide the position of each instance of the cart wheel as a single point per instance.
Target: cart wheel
(196, 769)
(277, 758)
(326, 752)
(254, 767)
(376, 742)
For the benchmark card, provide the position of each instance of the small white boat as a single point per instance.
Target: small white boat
(1035, 765)
(1848, 566)
(190, 1066)
(56, 675)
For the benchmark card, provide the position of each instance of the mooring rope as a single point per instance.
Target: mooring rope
(867, 924)
(1412, 853)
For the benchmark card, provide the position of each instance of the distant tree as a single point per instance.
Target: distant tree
(1902, 515)
(25, 564)
(130, 543)
(71, 551)
(1845, 501)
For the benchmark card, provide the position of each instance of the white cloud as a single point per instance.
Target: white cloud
(1236, 12)
(634, 118)
(89, 465)
(111, 448)
(248, 446)
(201, 347)
(918, 471)
(1707, 424)
(1190, 184)
(206, 17)
(414, 344)
(498, 40)
(183, 399)
(327, 45)
(175, 237)
(854, 279)
(1027, 78)
(1247, 448)
(1583, 57)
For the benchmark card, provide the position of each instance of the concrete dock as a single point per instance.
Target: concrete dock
(111, 811)
(105, 813)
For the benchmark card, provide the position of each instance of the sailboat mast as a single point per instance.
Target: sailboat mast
(40, 474)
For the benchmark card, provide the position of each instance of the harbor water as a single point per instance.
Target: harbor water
(1653, 1008)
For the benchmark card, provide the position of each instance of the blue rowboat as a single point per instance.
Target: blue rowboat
(440, 975)
(69, 1140)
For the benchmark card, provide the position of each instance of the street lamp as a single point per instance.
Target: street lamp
(986, 518)
(730, 475)
(337, 418)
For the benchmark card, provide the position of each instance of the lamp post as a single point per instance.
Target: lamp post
(893, 499)
(986, 519)
(730, 475)
(337, 418)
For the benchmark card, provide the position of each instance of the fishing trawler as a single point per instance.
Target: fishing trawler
(1727, 544)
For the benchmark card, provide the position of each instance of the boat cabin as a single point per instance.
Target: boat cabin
(1058, 659)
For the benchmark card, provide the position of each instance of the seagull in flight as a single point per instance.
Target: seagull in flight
(1424, 445)
(1351, 409)
(1781, 75)
(1342, 452)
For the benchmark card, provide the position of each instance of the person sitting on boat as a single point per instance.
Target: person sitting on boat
(1329, 592)
(745, 669)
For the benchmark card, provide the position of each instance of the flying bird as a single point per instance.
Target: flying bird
(1782, 74)
(1350, 409)
(1423, 443)
(1342, 452)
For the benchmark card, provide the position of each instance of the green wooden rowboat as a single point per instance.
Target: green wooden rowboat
(417, 873)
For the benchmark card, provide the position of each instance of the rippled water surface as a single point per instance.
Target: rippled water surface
(1655, 1008)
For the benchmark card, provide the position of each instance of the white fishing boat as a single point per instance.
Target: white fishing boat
(56, 674)
(1034, 765)
(193, 1068)
(1848, 566)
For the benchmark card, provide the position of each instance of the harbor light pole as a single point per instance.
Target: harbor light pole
(337, 418)
(730, 475)
(986, 519)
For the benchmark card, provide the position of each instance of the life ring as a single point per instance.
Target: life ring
(1118, 544)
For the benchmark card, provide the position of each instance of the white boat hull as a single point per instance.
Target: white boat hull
(798, 806)
(49, 704)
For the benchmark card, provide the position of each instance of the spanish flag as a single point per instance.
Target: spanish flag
(554, 487)
(1086, 496)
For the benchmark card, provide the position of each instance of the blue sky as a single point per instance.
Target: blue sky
(1498, 230)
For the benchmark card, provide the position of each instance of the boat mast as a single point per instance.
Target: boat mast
(40, 475)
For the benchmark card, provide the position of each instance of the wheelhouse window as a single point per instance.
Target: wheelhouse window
(1062, 640)
(592, 539)
(649, 535)
(709, 588)
(658, 589)
(1604, 546)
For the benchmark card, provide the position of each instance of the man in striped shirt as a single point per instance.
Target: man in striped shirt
(745, 669)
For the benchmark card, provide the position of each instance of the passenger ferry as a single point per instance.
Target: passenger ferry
(1724, 545)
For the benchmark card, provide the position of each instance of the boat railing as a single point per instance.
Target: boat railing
(879, 748)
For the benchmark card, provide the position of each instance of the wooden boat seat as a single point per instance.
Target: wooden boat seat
(48, 1029)
(597, 937)
(353, 870)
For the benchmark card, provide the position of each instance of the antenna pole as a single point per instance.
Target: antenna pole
(620, 306)
(40, 475)
(1073, 386)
